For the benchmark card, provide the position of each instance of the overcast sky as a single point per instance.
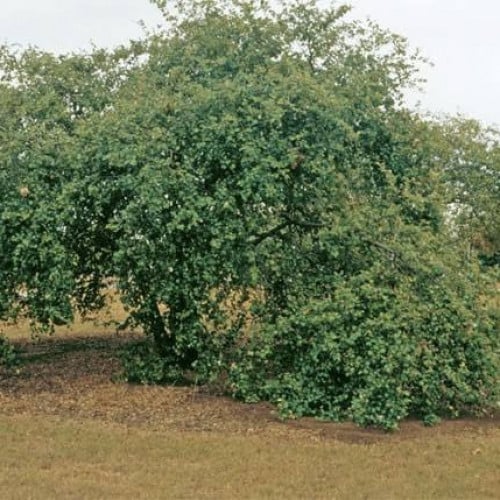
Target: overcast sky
(461, 37)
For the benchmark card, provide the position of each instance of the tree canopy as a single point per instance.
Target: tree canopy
(251, 181)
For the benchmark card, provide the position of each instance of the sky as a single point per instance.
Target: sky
(460, 37)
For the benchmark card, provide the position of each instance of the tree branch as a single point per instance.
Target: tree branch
(393, 253)
(289, 221)
(259, 238)
(304, 223)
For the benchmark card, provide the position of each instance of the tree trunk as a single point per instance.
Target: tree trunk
(163, 339)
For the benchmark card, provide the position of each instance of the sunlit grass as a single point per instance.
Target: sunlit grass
(103, 322)
(44, 457)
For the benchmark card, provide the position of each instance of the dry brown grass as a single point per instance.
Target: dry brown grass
(102, 323)
(46, 457)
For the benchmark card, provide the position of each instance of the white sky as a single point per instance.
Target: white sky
(461, 37)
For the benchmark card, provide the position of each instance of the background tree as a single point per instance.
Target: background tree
(472, 157)
(45, 99)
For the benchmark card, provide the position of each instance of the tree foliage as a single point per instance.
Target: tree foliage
(251, 181)
(472, 168)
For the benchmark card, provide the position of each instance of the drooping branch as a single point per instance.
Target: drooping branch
(395, 257)
(304, 223)
(260, 237)
(393, 254)
(288, 222)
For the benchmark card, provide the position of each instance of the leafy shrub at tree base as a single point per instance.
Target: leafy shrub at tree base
(374, 354)
(143, 365)
(8, 355)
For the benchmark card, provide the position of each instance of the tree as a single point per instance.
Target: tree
(472, 160)
(252, 182)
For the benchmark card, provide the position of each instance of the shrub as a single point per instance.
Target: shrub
(373, 354)
(143, 365)
(8, 354)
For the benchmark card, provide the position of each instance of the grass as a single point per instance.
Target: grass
(58, 458)
(102, 323)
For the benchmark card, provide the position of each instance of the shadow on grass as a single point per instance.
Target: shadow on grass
(48, 348)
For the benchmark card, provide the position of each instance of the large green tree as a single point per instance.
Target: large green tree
(251, 181)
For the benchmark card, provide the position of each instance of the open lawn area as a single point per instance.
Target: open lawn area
(68, 431)
(54, 457)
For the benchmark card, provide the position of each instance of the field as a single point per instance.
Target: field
(67, 430)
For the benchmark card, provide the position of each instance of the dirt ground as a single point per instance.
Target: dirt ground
(75, 377)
